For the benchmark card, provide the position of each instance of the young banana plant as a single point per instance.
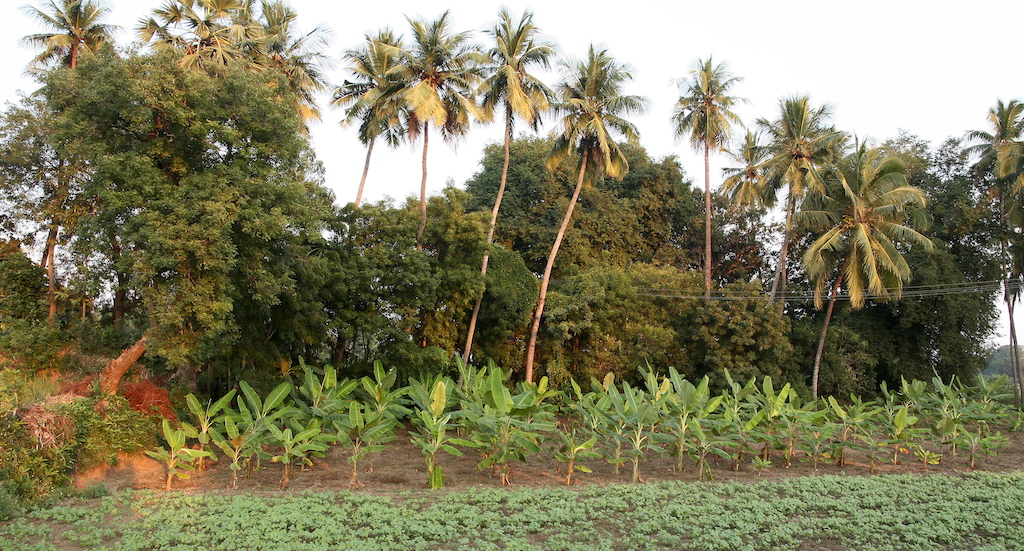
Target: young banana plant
(432, 423)
(205, 428)
(364, 430)
(178, 458)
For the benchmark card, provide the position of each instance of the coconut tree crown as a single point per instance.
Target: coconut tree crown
(868, 216)
(74, 27)
(517, 50)
(592, 109)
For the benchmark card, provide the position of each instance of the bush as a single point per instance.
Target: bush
(39, 453)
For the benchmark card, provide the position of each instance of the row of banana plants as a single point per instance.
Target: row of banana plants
(618, 423)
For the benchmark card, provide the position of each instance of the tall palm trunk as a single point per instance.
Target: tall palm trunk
(780, 268)
(51, 276)
(707, 226)
(1018, 376)
(366, 170)
(531, 346)
(490, 230)
(1008, 296)
(824, 333)
(423, 189)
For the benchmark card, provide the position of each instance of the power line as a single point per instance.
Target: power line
(910, 291)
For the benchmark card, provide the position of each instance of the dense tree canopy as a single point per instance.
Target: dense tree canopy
(169, 197)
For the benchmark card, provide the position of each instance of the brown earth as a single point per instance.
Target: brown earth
(401, 467)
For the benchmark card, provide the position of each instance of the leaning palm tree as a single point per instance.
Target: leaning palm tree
(440, 72)
(592, 106)
(73, 27)
(866, 213)
(703, 111)
(1001, 154)
(299, 57)
(369, 96)
(800, 141)
(516, 51)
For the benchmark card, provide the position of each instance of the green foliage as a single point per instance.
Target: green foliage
(891, 513)
(105, 427)
(432, 424)
(22, 286)
(176, 457)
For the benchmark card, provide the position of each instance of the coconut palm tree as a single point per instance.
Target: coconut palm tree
(72, 28)
(866, 213)
(440, 71)
(703, 112)
(516, 51)
(370, 96)
(592, 106)
(746, 183)
(800, 141)
(299, 57)
(1001, 153)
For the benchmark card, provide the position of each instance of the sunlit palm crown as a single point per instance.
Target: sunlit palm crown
(517, 49)
(440, 72)
(206, 32)
(798, 143)
(300, 58)
(744, 184)
(74, 26)
(1001, 149)
(592, 108)
(867, 214)
(369, 95)
(703, 109)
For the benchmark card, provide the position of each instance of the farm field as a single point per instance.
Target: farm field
(842, 508)
(827, 512)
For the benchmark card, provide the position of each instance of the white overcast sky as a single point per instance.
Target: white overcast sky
(933, 67)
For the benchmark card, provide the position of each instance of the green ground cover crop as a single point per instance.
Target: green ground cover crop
(893, 512)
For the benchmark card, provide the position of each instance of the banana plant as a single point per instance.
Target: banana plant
(502, 426)
(573, 451)
(206, 420)
(321, 397)
(260, 414)
(795, 419)
(178, 458)
(815, 439)
(238, 443)
(685, 401)
(851, 422)
(297, 446)
(381, 396)
(772, 405)
(704, 442)
(900, 431)
(637, 416)
(364, 430)
(432, 423)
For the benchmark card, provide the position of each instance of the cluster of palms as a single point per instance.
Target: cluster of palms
(857, 203)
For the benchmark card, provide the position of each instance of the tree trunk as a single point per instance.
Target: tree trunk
(824, 333)
(490, 231)
(1015, 367)
(49, 259)
(531, 346)
(423, 189)
(110, 377)
(707, 227)
(780, 268)
(366, 170)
